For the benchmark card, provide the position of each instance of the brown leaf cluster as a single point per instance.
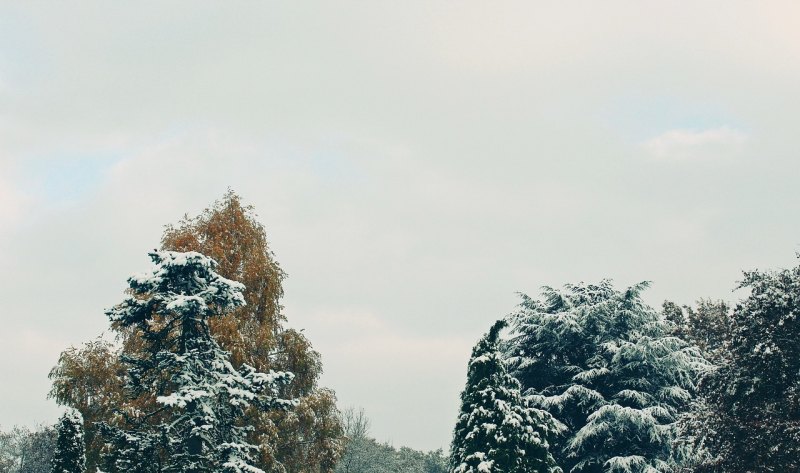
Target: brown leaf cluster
(306, 439)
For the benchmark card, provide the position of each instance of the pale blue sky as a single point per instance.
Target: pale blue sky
(415, 164)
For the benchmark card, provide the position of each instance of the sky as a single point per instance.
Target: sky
(415, 164)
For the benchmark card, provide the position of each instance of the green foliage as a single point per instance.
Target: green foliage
(70, 452)
(201, 397)
(307, 439)
(750, 421)
(603, 363)
(707, 326)
(497, 431)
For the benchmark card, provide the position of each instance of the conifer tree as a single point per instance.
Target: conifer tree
(751, 420)
(70, 452)
(307, 439)
(496, 431)
(90, 379)
(602, 362)
(199, 397)
(310, 438)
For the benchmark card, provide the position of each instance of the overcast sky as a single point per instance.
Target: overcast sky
(415, 165)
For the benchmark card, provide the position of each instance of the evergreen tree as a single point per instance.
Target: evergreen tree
(497, 432)
(603, 363)
(70, 451)
(199, 397)
(751, 420)
(307, 439)
(90, 379)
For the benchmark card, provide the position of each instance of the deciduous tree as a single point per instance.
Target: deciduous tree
(24, 450)
(90, 379)
(366, 455)
(306, 439)
(708, 325)
(751, 422)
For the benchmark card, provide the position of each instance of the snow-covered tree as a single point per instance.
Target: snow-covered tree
(751, 420)
(70, 451)
(23, 450)
(707, 325)
(602, 363)
(90, 379)
(496, 431)
(308, 438)
(197, 397)
(361, 454)
(366, 455)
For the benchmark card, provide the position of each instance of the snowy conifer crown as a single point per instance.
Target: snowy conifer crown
(179, 283)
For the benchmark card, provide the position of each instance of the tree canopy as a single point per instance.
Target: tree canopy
(602, 363)
(307, 439)
(70, 452)
(750, 419)
(195, 425)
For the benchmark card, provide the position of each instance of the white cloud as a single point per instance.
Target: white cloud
(696, 144)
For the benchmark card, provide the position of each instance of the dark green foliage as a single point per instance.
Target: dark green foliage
(70, 451)
(132, 451)
(496, 431)
(603, 363)
(200, 398)
(751, 421)
(707, 326)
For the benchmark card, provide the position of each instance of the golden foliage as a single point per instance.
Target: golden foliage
(90, 380)
(307, 439)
